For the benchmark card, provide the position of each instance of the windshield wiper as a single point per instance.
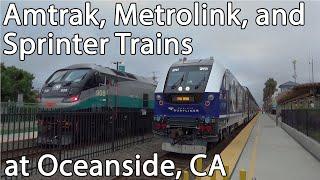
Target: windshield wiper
(180, 80)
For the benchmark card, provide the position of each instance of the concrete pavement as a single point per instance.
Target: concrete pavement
(271, 153)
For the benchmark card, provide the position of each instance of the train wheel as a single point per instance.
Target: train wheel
(226, 132)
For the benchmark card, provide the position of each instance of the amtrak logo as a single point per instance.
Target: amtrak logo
(171, 108)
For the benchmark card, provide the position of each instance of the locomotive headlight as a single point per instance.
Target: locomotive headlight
(158, 97)
(210, 97)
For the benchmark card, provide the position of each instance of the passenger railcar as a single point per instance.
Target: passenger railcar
(88, 86)
(197, 103)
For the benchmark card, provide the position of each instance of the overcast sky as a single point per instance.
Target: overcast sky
(252, 55)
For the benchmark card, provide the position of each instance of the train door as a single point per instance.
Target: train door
(225, 130)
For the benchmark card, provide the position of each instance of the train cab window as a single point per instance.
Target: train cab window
(102, 79)
(145, 100)
(92, 82)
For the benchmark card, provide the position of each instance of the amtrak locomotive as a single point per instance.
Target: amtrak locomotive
(88, 86)
(199, 102)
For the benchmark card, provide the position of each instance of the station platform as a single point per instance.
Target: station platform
(270, 153)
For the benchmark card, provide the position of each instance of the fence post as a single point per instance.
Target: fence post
(199, 166)
(307, 122)
(112, 131)
(227, 172)
(214, 176)
(185, 175)
(243, 174)
(60, 133)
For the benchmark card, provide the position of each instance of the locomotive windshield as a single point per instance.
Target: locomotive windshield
(193, 77)
(73, 75)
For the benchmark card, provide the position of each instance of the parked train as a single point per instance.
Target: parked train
(199, 102)
(88, 86)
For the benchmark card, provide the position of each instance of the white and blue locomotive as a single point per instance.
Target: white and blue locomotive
(199, 102)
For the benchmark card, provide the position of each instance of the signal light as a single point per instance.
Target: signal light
(160, 102)
(207, 103)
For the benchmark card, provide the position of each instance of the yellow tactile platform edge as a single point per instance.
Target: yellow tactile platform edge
(231, 154)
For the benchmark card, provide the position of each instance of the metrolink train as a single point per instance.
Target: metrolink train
(88, 86)
(199, 103)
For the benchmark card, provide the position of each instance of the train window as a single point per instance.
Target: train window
(102, 79)
(99, 79)
(92, 82)
(57, 76)
(76, 75)
(237, 96)
(145, 100)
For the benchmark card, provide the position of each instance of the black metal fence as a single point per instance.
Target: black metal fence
(31, 131)
(306, 121)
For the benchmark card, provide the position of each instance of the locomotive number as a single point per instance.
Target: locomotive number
(100, 92)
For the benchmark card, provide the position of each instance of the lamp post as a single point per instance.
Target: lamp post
(115, 104)
(294, 62)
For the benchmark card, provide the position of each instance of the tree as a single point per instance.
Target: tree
(268, 90)
(16, 81)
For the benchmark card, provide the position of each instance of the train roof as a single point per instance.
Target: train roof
(193, 62)
(215, 78)
(113, 72)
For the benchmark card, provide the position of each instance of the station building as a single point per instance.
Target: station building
(299, 108)
(303, 96)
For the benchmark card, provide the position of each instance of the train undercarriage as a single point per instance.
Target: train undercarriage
(188, 139)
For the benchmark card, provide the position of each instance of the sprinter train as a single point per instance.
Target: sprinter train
(199, 102)
(88, 86)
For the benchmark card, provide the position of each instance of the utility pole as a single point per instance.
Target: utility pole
(115, 116)
(294, 62)
(312, 75)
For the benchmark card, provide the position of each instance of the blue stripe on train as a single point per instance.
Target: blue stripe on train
(189, 110)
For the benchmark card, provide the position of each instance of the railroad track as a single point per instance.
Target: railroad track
(182, 160)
